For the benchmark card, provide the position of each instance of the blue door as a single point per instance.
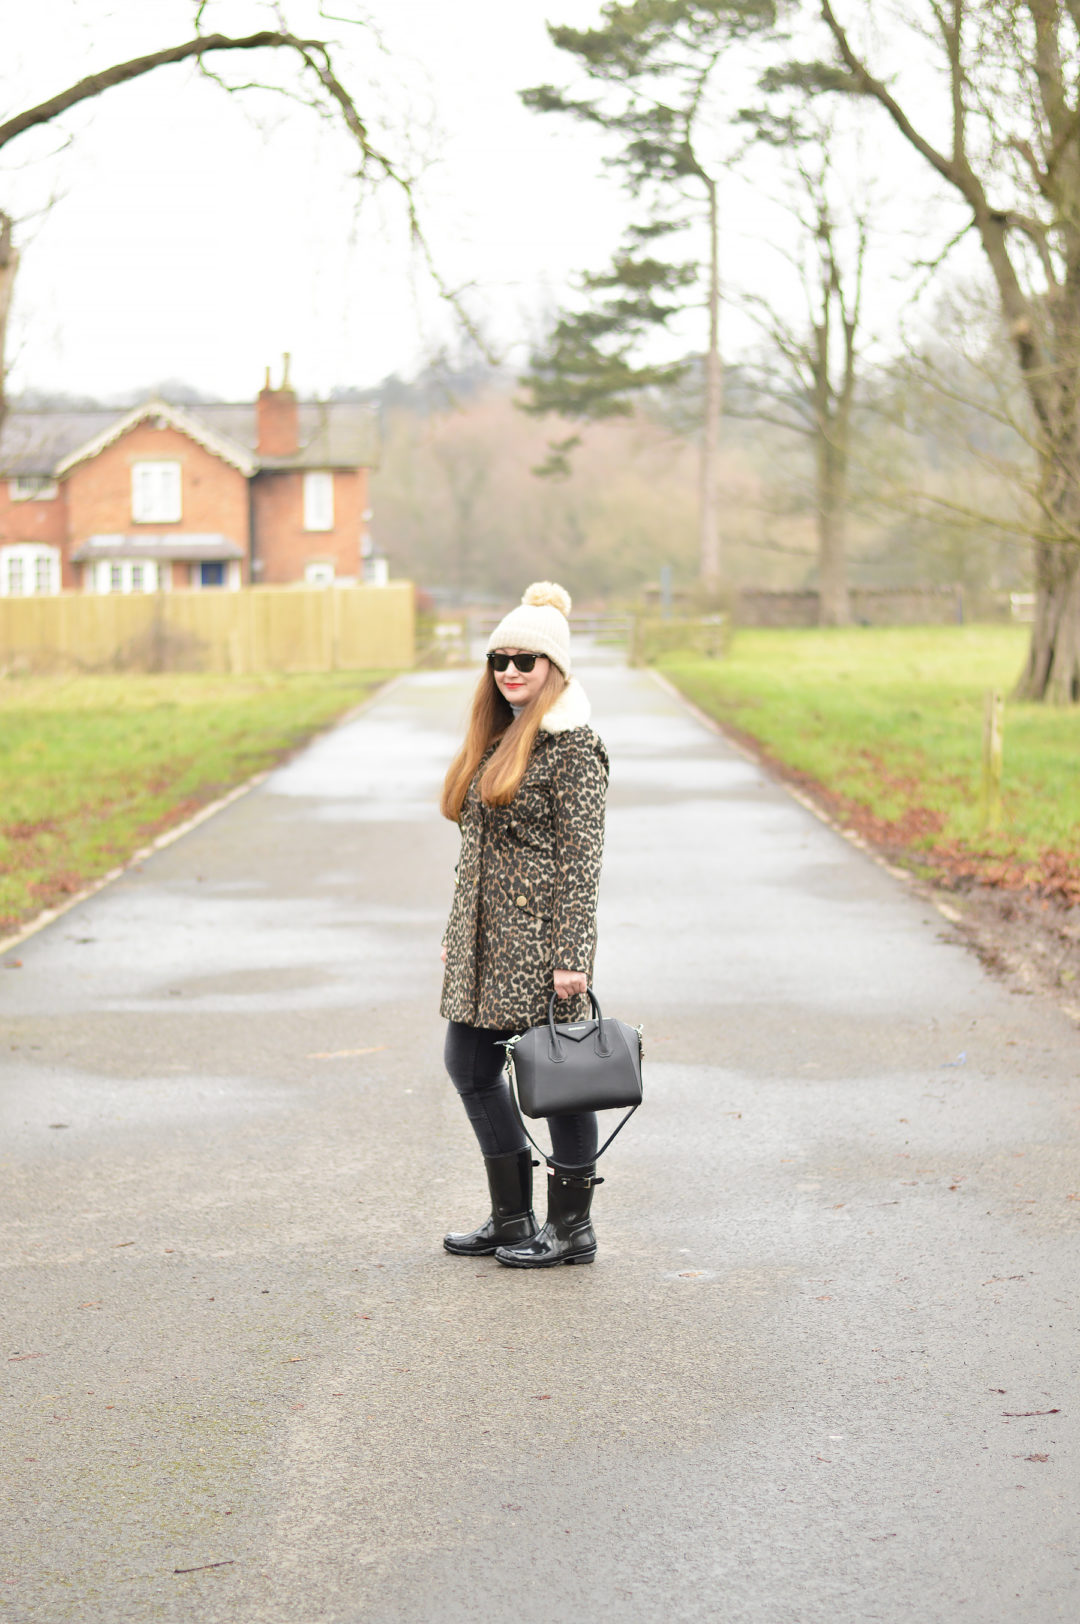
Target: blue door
(212, 573)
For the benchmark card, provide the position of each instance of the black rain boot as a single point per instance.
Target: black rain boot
(568, 1235)
(512, 1218)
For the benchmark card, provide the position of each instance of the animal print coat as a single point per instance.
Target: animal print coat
(525, 896)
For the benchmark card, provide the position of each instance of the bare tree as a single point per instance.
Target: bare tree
(957, 454)
(466, 470)
(833, 396)
(1011, 68)
(811, 372)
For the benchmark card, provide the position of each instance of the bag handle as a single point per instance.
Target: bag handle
(556, 1052)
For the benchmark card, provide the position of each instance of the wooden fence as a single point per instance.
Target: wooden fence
(256, 629)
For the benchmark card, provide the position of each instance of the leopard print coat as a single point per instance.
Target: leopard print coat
(525, 897)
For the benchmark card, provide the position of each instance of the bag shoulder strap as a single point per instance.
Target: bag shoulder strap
(549, 1155)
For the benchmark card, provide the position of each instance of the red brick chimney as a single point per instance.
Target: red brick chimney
(277, 418)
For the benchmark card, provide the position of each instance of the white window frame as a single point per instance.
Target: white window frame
(28, 557)
(32, 488)
(156, 492)
(319, 573)
(319, 500)
(113, 575)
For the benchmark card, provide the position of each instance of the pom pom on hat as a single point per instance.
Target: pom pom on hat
(538, 625)
(548, 593)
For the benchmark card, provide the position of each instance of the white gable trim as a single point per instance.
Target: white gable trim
(219, 445)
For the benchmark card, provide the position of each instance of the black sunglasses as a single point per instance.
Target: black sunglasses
(521, 662)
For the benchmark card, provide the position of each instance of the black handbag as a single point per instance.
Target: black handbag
(565, 1067)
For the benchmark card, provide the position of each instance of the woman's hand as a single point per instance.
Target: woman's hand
(442, 952)
(568, 982)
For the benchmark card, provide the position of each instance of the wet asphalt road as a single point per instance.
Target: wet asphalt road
(838, 1246)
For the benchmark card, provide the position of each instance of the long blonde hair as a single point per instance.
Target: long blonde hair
(493, 719)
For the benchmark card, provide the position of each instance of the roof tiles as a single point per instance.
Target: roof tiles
(333, 434)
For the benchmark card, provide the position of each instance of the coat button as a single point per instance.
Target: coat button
(521, 901)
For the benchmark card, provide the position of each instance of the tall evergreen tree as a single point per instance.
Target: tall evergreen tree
(653, 64)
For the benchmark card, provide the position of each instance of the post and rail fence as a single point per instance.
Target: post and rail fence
(604, 628)
(252, 630)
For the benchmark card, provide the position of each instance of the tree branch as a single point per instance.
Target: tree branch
(957, 174)
(123, 72)
(1037, 235)
(1050, 74)
(1038, 174)
(1023, 531)
(315, 55)
(802, 429)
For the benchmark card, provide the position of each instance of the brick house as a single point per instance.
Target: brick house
(170, 498)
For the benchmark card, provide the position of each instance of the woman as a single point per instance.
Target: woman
(527, 788)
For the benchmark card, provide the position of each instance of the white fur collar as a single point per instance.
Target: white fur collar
(571, 709)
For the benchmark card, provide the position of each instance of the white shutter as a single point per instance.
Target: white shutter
(142, 491)
(171, 493)
(318, 501)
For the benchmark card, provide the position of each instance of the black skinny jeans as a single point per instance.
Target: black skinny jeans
(475, 1063)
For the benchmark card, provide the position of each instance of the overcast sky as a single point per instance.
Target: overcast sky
(198, 236)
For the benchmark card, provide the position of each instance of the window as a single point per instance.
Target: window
(319, 574)
(32, 488)
(155, 492)
(28, 570)
(126, 575)
(318, 501)
(214, 574)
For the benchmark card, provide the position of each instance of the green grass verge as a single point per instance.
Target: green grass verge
(888, 722)
(92, 768)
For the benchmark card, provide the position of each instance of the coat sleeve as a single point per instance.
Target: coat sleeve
(580, 784)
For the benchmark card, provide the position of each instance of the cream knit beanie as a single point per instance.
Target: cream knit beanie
(538, 625)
